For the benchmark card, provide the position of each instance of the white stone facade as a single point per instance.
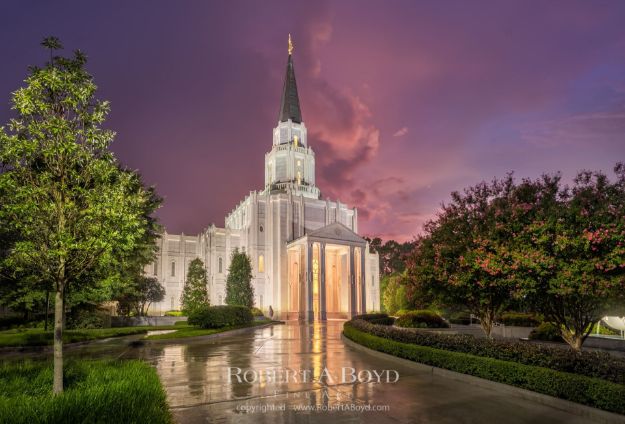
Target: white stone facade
(276, 226)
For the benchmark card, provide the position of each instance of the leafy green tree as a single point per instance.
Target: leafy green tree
(462, 258)
(73, 210)
(392, 254)
(140, 295)
(195, 293)
(239, 290)
(394, 297)
(570, 260)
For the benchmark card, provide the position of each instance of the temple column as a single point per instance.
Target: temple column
(301, 283)
(322, 283)
(352, 285)
(363, 282)
(310, 314)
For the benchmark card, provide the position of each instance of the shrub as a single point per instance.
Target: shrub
(95, 392)
(174, 314)
(548, 332)
(403, 311)
(377, 318)
(519, 319)
(421, 319)
(220, 316)
(461, 318)
(257, 312)
(589, 363)
(577, 388)
(86, 319)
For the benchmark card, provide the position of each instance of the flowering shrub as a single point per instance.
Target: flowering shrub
(593, 364)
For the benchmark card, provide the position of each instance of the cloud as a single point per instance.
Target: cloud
(576, 130)
(401, 132)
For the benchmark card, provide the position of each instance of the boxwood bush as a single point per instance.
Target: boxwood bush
(378, 318)
(220, 316)
(257, 312)
(519, 319)
(590, 363)
(582, 389)
(548, 332)
(421, 319)
(461, 318)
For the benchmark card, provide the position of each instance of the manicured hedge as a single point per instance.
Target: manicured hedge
(421, 319)
(577, 388)
(380, 319)
(220, 316)
(589, 363)
(461, 318)
(548, 332)
(519, 319)
(257, 312)
(95, 392)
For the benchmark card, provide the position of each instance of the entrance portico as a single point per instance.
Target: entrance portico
(326, 274)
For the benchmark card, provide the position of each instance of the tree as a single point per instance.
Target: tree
(571, 258)
(239, 290)
(139, 296)
(394, 296)
(195, 293)
(462, 258)
(74, 211)
(392, 254)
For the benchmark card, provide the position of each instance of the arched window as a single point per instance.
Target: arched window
(261, 263)
(155, 269)
(173, 268)
(219, 300)
(220, 269)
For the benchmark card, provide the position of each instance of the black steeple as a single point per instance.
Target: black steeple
(289, 105)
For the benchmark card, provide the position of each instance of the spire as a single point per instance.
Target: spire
(289, 105)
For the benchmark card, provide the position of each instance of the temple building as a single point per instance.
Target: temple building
(308, 261)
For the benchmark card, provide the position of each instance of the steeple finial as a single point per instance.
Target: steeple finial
(289, 104)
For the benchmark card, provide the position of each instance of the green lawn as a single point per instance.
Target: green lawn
(184, 331)
(39, 337)
(95, 392)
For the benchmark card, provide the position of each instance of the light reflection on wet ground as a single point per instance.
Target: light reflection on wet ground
(195, 376)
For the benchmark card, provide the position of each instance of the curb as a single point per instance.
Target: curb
(209, 336)
(597, 415)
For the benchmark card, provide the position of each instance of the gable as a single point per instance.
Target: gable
(337, 231)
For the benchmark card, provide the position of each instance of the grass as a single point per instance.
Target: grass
(185, 331)
(95, 392)
(39, 337)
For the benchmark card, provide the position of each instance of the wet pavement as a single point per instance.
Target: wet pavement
(303, 373)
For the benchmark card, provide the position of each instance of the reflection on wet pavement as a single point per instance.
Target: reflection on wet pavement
(294, 373)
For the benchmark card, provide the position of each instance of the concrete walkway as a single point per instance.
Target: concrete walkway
(199, 389)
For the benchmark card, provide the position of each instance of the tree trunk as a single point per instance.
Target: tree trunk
(575, 338)
(486, 322)
(59, 312)
(47, 309)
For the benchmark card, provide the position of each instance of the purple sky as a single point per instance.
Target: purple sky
(404, 101)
